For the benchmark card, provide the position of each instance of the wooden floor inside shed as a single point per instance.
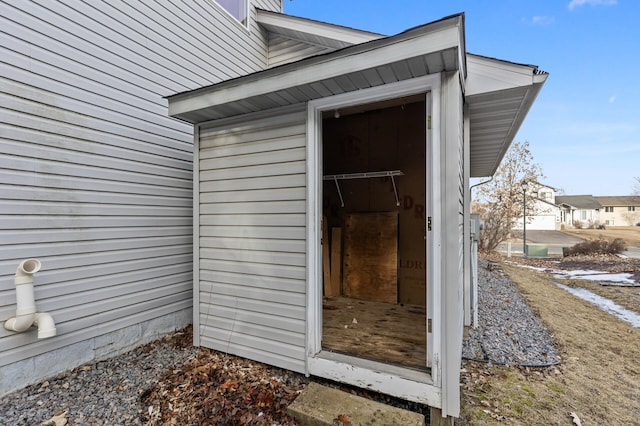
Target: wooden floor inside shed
(386, 332)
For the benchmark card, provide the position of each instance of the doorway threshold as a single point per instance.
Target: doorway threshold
(405, 383)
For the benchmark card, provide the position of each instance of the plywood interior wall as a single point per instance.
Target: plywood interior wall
(391, 138)
(371, 256)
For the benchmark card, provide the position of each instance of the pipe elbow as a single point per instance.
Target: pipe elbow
(46, 325)
(25, 271)
(20, 323)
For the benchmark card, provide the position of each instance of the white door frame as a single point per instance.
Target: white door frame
(393, 380)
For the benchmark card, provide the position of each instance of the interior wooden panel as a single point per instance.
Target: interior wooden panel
(336, 262)
(371, 256)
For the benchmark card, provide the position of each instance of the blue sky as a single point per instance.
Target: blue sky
(584, 128)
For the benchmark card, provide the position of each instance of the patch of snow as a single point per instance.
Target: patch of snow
(579, 274)
(624, 278)
(605, 304)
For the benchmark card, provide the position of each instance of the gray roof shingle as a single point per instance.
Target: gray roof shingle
(583, 202)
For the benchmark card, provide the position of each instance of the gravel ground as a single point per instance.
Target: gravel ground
(103, 393)
(508, 332)
(109, 392)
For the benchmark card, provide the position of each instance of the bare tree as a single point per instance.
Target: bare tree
(636, 186)
(500, 202)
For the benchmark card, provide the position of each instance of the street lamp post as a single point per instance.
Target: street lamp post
(524, 217)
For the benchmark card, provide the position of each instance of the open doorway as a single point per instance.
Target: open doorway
(374, 227)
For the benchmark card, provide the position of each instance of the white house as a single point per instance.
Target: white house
(356, 160)
(542, 213)
(581, 210)
(95, 178)
(551, 212)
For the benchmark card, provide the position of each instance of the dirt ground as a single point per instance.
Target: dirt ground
(598, 379)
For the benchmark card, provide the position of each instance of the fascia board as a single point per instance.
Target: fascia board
(492, 75)
(431, 38)
(351, 36)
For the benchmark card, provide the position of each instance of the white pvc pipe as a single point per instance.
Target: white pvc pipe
(26, 315)
(46, 326)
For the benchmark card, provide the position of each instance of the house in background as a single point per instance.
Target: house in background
(95, 178)
(619, 211)
(544, 214)
(581, 210)
(552, 212)
(291, 116)
(358, 159)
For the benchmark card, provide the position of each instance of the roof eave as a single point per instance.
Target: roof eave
(500, 95)
(442, 35)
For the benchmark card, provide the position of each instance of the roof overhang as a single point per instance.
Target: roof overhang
(568, 206)
(427, 49)
(499, 94)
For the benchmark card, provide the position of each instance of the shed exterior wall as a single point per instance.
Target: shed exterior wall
(452, 209)
(95, 179)
(251, 221)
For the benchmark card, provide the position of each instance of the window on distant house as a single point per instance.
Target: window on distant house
(236, 8)
(631, 208)
(583, 215)
(608, 209)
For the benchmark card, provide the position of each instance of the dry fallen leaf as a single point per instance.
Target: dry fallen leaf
(212, 386)
(343, 420)
(59, 420)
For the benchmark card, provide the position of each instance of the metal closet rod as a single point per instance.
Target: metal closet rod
(365, 175)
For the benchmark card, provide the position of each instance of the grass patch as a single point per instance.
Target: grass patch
(598, 378)
(629, 234)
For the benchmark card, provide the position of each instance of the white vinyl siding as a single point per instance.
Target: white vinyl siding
(252, 239)
(95, 178)
(283, 50)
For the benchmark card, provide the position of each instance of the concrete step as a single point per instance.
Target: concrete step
(319, 405)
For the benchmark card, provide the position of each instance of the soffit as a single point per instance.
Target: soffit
(420, 51)
(499, 95)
